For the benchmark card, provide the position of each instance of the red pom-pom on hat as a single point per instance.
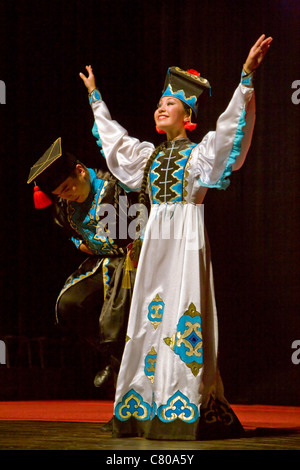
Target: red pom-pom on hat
(40, 199)
(193, 72)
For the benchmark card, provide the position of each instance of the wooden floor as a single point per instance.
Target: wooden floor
(77, 425)
(34, 435)
(49, 435)
(31, 423)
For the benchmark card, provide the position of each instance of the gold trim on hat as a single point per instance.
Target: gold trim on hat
(197, 78)
(50, 159)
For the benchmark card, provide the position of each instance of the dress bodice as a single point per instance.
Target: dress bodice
(168, 176)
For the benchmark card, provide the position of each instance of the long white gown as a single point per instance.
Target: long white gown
(169, 386)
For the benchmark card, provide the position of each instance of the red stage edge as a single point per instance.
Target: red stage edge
(251, 416)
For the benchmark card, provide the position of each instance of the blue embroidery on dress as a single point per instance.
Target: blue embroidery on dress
(156, 311)
(224, 182)
(150, 363)
(187, 341)
(178, 407)
(153, 177)
(132, 405)
(168, 185)
(178, 188)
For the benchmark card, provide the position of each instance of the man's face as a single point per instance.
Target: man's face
(75, 188)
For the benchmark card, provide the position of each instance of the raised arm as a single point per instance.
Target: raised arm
(126, 156)
(225, 149)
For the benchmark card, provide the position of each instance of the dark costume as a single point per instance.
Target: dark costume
(95, 299)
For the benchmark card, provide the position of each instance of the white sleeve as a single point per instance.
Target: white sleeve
(224, 150)
(126, 156)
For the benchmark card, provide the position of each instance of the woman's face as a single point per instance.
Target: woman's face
(170, 114)
(75, 188)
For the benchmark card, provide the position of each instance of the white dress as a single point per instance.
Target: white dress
(169, 386)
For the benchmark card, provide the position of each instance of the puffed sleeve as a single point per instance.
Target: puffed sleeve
(126, 156)
(224, 150)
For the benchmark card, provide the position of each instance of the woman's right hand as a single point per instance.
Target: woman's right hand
(89, 81)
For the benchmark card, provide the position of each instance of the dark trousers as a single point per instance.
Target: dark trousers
(78, 311)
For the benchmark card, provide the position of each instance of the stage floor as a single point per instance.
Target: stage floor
(75, 425)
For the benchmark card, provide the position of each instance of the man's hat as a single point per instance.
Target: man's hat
(187, 86)
(49, 172)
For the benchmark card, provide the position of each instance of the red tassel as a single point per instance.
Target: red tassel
(159, 130)
(40, 199)
(190, 126)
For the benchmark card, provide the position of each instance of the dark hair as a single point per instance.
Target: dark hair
(144, 199)
(186, 107)
(73, 169)
(59, 206)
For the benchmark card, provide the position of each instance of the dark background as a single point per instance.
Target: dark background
(253, 226)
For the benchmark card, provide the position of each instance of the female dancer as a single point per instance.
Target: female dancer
(169, 386)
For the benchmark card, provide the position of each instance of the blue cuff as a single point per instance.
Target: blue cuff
(247, 79)
(95, 96)
(76, 242)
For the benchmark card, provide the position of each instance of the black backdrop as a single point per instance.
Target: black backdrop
(253, 226)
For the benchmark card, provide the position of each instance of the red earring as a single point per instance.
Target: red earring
(159, 130)
(190, 126)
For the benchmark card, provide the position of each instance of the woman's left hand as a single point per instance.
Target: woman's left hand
(257, 53)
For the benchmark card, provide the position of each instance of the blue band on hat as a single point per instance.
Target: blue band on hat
(191, 101)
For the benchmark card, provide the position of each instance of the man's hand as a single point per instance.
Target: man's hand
(84, 249)
(89, 81)
(257, 53)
